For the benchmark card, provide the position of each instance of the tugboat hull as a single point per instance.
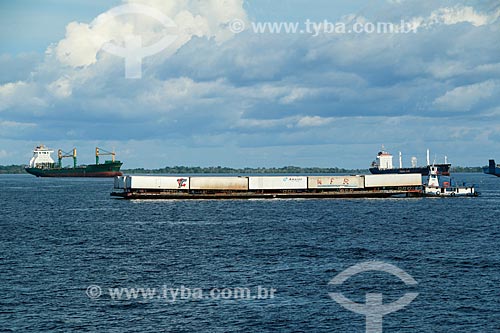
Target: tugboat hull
(450, 191)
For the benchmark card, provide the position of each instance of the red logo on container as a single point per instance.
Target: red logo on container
(182, 182)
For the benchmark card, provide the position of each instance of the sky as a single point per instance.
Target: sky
(217, 96)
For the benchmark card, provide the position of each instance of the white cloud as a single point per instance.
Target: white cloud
(80, 46)
(10, 89)
(17, 68)
(455, 15)
(459, 14)
(209, 19)
(314, 121)
(15, 125)
(446, 69)
(60, 88)
(14, 129)
(246, 123)
(465, 97)
(296, 94)
(19, 93)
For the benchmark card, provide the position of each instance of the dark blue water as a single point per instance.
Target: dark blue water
(59, 236)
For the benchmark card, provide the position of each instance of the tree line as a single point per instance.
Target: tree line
(226, 170)
(19, 169)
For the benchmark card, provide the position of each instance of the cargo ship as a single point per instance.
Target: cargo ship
(492, 169)
(383, 165)
(42, 164)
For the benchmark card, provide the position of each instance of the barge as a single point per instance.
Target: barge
(268, 187)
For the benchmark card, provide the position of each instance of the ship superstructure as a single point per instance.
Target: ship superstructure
(42, 158)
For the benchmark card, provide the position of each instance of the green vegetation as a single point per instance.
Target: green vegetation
(282, 170)
(19, 169)
(12, 169)
(459, 169)
(224, 170)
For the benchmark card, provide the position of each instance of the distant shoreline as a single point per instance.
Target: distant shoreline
(19, 169)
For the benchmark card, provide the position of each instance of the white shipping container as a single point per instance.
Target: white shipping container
(219, 183)
(393, 180)
(329, 182)
(278, 183)
(157, 183)
(120, 182)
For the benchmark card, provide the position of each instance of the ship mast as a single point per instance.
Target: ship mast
(61, 155)
(102, 152)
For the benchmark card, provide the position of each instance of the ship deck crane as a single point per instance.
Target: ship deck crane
(102, 152)
(61, 155)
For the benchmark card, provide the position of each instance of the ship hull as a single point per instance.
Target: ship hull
(94, 170)
(492, 169)
(495, 172)
(256, 195)
(443, 169)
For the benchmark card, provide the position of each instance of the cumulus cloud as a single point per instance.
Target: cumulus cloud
(60, 88)
(192, 18)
